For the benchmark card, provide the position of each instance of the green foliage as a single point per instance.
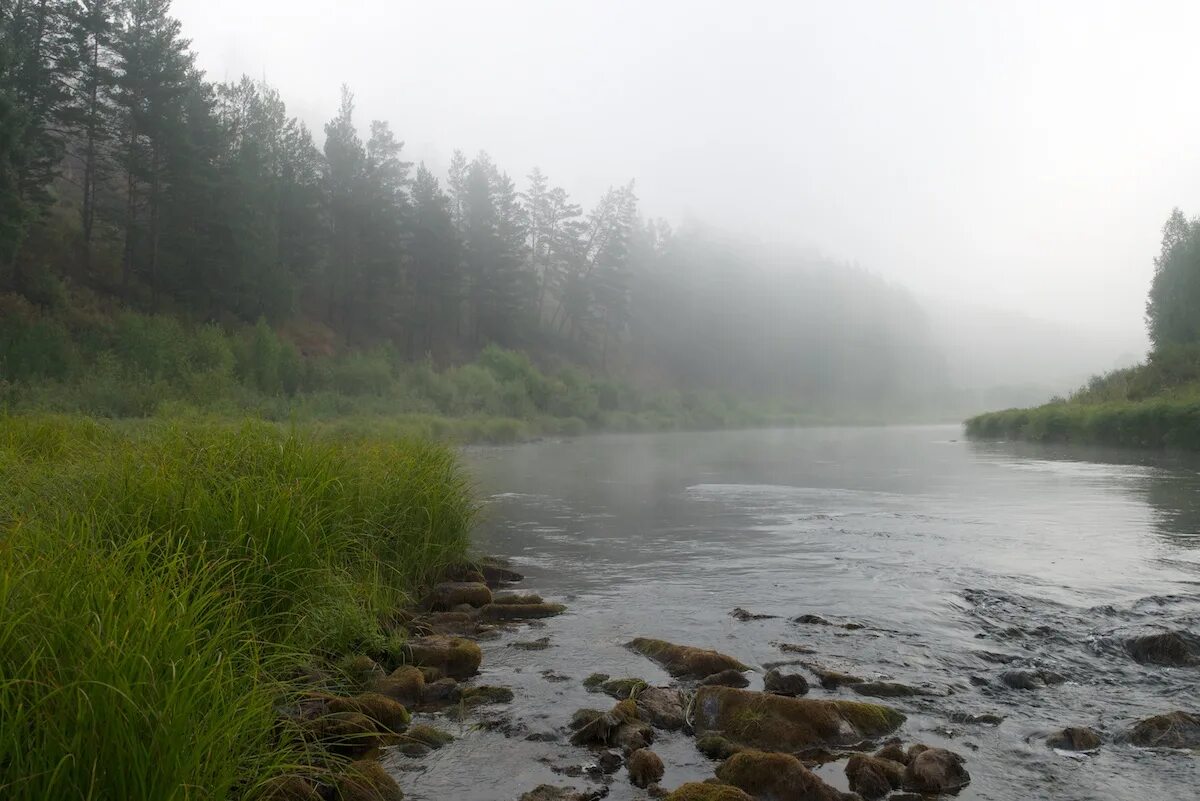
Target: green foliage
(159, 581)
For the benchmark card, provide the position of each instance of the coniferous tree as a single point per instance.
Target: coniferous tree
(435, 268)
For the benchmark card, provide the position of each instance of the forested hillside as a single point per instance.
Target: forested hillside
(189, 241)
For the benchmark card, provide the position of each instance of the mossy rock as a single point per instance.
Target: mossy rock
(350, 734)
(288, 788)
(366, 780)
(707, 791)
(454, 656)
(388, 714)
(714, 746)
(405, 684)
(514, 611)
(661, 707)
(514, 599)
(886, 689)
(683, 660)
(776, 722)
(471, 697)
(449, 594)
(1172, 730)
(645, 768)
(540, 644)
(776, 776)
(832, 679)
(594, 681)
(1170, 648)
(362, 670)
(873, 777)
(935, 770)
(428, 735)
(1074, 738)
(622, 688)
(593, 727)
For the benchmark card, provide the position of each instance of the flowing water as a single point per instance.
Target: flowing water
(963, 560)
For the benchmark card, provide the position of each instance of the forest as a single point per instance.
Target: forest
(170, 240)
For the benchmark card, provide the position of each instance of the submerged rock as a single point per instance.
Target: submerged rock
(817, 620)
(986, 718)
(594, 681)
(514, 611)
(498, 571)
(832, 679)
(540, 644)
(661, 707)
(471, 697)
(1074, 738)
(1023, 679)
(512, 598)
(885, 689)
(776, 776)
(645, 768)
(454, 656)
(935, 770)
(449, 594)
(726, 678)
(1169, 648)
(683, 661)
(1172, 730)
(428, 735)
(366, 780)
(622, 688)
(763, 720)
(708, 791)
(745, 615)
(873, 777)
(794, 648)
(791, 684)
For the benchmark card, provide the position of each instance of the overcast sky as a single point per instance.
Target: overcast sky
(1022, 155)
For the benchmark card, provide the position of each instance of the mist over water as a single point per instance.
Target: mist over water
(961, 560)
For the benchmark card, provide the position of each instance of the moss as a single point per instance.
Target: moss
(622, 688)
(684, 660)
(516, 611)
(449, 594)
(645, 768)
(935, 770)
(428, 736)
(388, 714)
(405, 684)
(484, 694)
(361, 670)
(366, 780)
(770, 775)
(708, 791)
(625, 711)
(775, 722)
(714, 746)
(594, 681)
(454, 656)
(872, 777)
(1172, 730)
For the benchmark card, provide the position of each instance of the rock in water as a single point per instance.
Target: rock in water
(1074, 738)
(449, 594)
(514, 611)
(548, 792)
(661, 707)
(776, 776)
(645, 768)
(726, 678)
(935, 770)
(832, 679)
(775, 722)
(1030, 679)
(387, 714)
(873, 777)
(708, 791)
(790, 684)
(454, 656)
(683, 661)
(745, 616)
(1172, 730)
(885, 689)
(1170, 648)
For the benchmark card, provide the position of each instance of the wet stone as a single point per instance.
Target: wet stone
(1074, 738)
(935, 770)
(746, 616)
(726, 678)
(540, 644)
(1168, 648)
(645, 768)
(1171, 730)
(791, 684)
(683, 661)
(1023, 679)
(873, 777)
(886, 689)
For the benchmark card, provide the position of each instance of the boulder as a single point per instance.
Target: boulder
(449, 594)
(349, 734)
(790, 684)
(894, 752)
(512, 598)
(388, 715)
(707, 791)
(776, 776)
(645, 768)
(440, 692)
(1074, 738)
(684, 661)
(1023, 679)
(454, 656)
(405, 684)
(726, 678)
(366, 780)
(1168, 648)
(832, 679)
(288, 788)
(661, 707)
(1172, 730)
(935, 770)
(873, 777)
(714, 746)
(510, 612)
(775, 722)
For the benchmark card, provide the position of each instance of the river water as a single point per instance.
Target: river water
(962, 560)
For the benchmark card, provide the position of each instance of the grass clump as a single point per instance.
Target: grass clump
(159, 583)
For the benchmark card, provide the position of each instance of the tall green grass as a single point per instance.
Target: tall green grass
(1155, 423)
(159, 583)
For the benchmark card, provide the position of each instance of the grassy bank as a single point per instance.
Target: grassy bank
(160, 582)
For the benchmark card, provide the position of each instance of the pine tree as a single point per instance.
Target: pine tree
(435, 267)
(345, 162)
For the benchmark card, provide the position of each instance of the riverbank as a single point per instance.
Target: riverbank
(1158, 423)
(163, 586)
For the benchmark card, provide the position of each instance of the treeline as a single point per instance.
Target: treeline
(123, 170)
(131, 185)
(1152, 405)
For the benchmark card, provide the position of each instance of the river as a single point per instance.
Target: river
(961, 559)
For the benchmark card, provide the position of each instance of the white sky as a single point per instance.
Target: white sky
(1016, 154)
